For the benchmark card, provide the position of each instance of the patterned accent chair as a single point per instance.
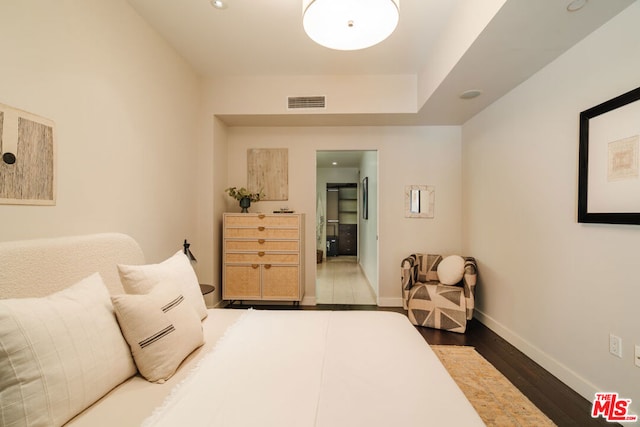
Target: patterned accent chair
(432, 304)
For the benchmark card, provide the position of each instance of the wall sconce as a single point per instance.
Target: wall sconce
(187, 251)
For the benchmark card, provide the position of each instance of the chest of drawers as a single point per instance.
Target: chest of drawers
(263, 257)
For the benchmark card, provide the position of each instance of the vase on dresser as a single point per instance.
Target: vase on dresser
(245, 202)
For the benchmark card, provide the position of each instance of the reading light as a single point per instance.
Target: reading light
(349, 24)
(187, 251)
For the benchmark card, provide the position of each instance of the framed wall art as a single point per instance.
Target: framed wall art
(365, 198)
(609, 161)
(27, 158)
(268, 172)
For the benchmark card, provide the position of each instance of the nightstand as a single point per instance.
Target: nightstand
(207, 289)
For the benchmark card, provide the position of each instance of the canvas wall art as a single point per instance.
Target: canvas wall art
(27, 163)
(268, 172)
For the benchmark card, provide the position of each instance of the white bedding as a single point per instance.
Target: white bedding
(318, 368)
(134, 400)
(263, 368)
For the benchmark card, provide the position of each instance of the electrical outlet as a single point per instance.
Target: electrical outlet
(637, 356)
(615, 345)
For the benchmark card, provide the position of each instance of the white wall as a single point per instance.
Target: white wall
(368, 228)
(551, 286)
(406, 155)
(344, 94)
(124, 105)
(212, 180)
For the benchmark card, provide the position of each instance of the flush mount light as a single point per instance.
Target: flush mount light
(219, 4)
(470, 94)
(349, 24)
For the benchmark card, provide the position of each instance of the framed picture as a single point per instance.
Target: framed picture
(27, 158)
(365, 198)
(268, 172)
(609, 161)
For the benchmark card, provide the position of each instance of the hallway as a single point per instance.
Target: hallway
(339, 280)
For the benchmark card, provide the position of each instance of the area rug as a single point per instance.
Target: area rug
(497, 401)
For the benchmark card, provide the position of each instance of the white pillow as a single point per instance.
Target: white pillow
(140, 279)
(161, 329)
(59, 354)
(451, 270)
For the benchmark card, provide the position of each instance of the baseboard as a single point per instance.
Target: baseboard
(580, 385)
(308, 300)
(389, 302)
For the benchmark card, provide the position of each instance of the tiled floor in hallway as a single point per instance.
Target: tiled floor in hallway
(340, 280)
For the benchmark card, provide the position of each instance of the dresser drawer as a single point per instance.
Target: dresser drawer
(262, 233)
(278, 220)
(261, 258)
(262, 245)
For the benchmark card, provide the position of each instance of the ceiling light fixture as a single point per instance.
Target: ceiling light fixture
(349, 24)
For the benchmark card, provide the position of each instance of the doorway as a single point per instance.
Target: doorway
(346, 229)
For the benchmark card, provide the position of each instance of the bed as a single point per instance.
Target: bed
(249, 367)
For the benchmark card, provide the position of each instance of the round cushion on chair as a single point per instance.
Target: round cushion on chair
(451, 270)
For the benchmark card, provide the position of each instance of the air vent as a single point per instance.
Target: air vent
(305, 102)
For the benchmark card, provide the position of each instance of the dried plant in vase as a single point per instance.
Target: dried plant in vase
(244, 196)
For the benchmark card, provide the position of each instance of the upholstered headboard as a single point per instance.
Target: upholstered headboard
(35, 268)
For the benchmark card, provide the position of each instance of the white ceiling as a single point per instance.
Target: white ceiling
(258, 37)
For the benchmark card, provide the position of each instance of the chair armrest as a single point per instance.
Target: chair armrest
(469, 283)
(408, 268)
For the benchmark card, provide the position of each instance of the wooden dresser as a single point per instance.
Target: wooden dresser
(263, 257)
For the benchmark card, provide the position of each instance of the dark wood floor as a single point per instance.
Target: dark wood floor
(560, 403)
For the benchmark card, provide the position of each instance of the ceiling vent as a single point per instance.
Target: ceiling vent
(305, 102)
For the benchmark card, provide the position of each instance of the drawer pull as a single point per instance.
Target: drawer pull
(260, 253)
(267, 266)
(260, 228)
(254, 266)
(261, 216)
(261, 241)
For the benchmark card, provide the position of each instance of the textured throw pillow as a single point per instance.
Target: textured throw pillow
(141, 279)
(161, 329)
(451, 270)
(59, 354)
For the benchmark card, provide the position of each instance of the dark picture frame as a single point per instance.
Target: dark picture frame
(365, 198)
(608, 165)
